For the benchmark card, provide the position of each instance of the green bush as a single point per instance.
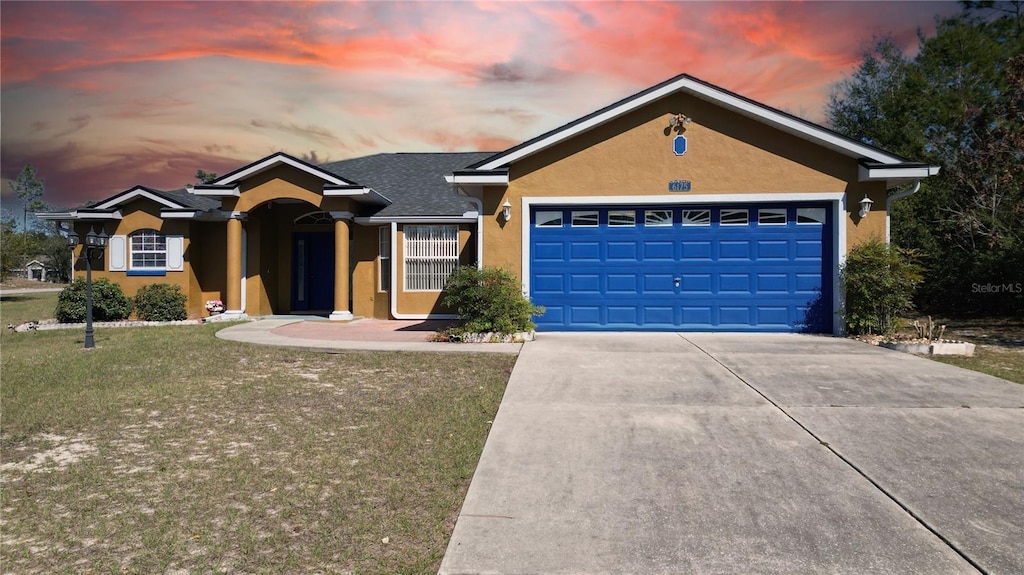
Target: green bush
(108, 302)
(879, 281)
(489, 300)
(160, 302)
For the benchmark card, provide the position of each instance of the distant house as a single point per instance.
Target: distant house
(683, 207)
(39, 269)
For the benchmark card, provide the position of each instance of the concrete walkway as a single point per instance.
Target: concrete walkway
(730, 453)
(362, 334)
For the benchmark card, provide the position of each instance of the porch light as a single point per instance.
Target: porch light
(679, 120)
(506, 211)
(865, 206)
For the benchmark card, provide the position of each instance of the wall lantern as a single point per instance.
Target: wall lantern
(94, 244)
(506, 211)
(865, 206)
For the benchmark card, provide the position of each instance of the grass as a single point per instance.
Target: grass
(168, 450)
(18, 309)
(1000, 346)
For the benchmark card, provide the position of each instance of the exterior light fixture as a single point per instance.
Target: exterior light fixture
(506, 211)
(865, 206)
(94, 245)
(678, 121)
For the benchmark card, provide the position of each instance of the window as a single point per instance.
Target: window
(549, 219)
(658, 218)
(148, 250)
(771, 216)
(384, 263)
(431, 255)
(696, 217)
(734, 217)
(315, 219)
(621, 218)
(587, 219)
(810, 215)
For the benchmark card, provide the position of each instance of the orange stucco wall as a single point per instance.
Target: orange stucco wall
(139, 215)
(632, 155)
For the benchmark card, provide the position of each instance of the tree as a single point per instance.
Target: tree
(205, 177)
(29, 189)
(957, 104)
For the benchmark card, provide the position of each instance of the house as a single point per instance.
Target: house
(38, 268)
(682, 207)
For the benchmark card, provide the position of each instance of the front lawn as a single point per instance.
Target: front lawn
(1000, 346)
(168, 450)
(17, 309)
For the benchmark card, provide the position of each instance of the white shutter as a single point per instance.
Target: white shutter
(175, 253)
(117, 250)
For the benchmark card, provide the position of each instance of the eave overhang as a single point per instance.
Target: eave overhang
(361, 194)
(84, 215)
(479, 177)
(894, 174)
(216, 191)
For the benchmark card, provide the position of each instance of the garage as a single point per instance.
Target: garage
(693, 267)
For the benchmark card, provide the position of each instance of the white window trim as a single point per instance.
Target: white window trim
(446, 254)
(132, 251)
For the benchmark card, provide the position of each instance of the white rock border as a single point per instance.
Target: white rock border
(934, 348)
(491, 337)
(52, 324)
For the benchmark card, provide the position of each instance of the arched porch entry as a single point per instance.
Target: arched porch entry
(294, 258)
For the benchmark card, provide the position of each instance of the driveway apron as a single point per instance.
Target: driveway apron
(730, 453)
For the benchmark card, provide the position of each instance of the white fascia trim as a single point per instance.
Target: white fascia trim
(726, 100)
(481, 179)
(467, 217)
(216, 193)
(865, 174)
(178, 215)
(55, 216)
(838, 200)
(270, 162)
(393, 293)
(359, 194)
(131, 195)
(77, 215)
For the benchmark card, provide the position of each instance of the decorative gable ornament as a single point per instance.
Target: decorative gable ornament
(679, 145)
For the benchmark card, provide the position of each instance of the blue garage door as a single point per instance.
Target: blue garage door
(720, 268)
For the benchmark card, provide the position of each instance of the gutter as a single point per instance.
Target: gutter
(890, 198)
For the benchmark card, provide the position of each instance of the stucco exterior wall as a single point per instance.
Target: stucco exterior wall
(632, 155)
(367, 301)
(140, 215)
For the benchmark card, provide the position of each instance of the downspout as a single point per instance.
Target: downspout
(889, 199)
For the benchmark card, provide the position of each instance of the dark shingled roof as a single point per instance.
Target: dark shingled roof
(189, 200)
(414, 182)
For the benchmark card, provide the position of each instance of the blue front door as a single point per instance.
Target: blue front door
(713, 268)
(312, 271)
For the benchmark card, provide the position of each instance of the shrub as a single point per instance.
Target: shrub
(489, 300)
(160, 302)
(108, 302)
(879, 281)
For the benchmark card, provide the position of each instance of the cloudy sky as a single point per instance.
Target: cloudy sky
(102, 96)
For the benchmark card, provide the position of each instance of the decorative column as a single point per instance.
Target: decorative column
(341, 265)
(233, 303)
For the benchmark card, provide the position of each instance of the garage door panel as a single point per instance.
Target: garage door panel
(734, 283)
(658, 250)
(734, 250)
(658, 284)
(622, 284)
(699, 276)
(549, 251)
(621, 250)
(584, 283)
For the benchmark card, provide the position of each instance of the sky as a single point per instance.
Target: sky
(100, 97)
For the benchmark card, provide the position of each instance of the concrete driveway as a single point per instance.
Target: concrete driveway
(733, 453)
